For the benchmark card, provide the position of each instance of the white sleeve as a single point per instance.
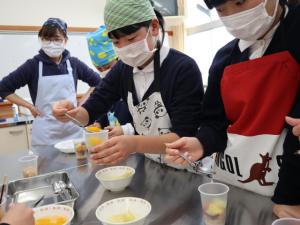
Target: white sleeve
(128, 129)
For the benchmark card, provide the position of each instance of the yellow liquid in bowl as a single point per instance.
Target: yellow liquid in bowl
(119, 177)
(51, 220)
(122, 218)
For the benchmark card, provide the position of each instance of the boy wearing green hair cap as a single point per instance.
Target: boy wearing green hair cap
(121, 13)
(161, 86)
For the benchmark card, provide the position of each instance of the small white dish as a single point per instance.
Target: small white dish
(121, 211)
(115, 178)
(51, 211)
(66, 146)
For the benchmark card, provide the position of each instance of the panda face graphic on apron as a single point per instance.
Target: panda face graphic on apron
(150, 120)
(150, 116)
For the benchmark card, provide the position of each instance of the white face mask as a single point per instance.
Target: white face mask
(53, 49)
(135, 54)
(252, 24)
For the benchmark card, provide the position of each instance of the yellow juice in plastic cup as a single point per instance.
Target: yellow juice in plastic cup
(93, 139)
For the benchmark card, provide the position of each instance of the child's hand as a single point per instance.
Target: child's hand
(19, 214)
(114, 131)
(113, 151)
(96, 124)
(190, 146)
(295, 123)
(287, 211)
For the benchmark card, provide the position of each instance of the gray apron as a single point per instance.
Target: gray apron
(46, 130)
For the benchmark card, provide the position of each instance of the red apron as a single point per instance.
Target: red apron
(257, 95)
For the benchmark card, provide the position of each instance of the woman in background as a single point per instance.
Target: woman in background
(51, 76)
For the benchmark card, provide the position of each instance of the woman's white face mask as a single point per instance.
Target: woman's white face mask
(252, 24)
(52, 48)
(137, 53)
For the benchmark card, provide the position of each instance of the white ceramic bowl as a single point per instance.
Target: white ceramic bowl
(115, 178)
(137, 208)
(54, 210)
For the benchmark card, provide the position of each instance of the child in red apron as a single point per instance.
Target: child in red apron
(253, 84)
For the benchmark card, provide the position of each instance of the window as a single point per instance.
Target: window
(166, 7)
(205, 35)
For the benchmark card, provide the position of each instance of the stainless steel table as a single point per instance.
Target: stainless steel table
(173, 194)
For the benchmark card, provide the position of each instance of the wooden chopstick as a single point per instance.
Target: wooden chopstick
(3, 188)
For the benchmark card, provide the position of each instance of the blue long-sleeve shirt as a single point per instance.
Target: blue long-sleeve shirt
(28, 74)
(180, 86)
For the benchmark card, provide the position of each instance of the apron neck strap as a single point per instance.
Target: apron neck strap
(281, 29)
(69, 68)
(40, 69)
(157, 68)
(155, 86)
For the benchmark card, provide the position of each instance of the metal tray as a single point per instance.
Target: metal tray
(29, 190)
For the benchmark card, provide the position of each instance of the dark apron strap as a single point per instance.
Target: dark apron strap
(155, 86)
(156, 82)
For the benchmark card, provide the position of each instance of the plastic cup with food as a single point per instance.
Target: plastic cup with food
(29, 165)
(95, 136)
(80, 149)
(287, 221)
(214, 202)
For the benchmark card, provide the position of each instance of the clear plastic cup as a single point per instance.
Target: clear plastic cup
(80, 149)
(2, 208)
(214, 202)
(29, 165)
(286, 221)
(95, 138)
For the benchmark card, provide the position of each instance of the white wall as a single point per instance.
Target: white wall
(77, 13)
(205, 35)
(89, 13)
